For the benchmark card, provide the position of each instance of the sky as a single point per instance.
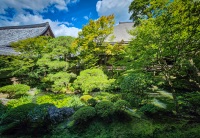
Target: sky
(66, 17)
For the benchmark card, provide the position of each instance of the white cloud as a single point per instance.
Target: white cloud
(63, 30)
(59, 28)
(117, 7)
(35, 5)
(74, 19)
(86, 17)
(21, 17)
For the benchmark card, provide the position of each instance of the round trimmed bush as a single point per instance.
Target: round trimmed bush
(56, 115)
(92, 102)
(121, 105)
(149, 109)
(84, 114)
(38, 115)
(104, 108)
(92, 79)
(18, 114)
(85, 98)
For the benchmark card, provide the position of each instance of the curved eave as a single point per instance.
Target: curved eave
(51, 31)
(46, 29)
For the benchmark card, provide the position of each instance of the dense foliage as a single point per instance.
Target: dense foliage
(84, 114)
(90, 43)
(104, 109)
(53, 66)
(155, 92)
(167, 44)
(92, 79)
(15, 91)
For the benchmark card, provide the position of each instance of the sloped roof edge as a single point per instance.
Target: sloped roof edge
(9, 34)
(47, 27)
(25, 26)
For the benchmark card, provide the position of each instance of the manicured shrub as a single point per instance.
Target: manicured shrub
(60, 80)
(92, 102)
(150, 109)
(84, 114)
(92, 79)
(56, 115)
(104, 109)
(89, 100)
(121, 105)
(106, 96)
(85, 98)
(38, 115)
(114, 97)
(18, 114)
(15, 91)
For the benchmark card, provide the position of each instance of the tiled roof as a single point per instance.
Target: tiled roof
(121, 33)
(11, 34)
(7, 50)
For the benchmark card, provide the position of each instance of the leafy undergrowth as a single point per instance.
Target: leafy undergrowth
(137, 128)
(134, 128)
(73, 116)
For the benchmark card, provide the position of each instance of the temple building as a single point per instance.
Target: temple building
(120, 33)
(11, 34)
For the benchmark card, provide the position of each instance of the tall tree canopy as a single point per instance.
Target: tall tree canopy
(90, 43)
(24, 64)
(144, 9)
(169, 44)
(54, 65)
(43, 62)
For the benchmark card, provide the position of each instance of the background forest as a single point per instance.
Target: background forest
(151, 89)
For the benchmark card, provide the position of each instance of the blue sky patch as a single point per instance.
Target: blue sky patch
(66, 17)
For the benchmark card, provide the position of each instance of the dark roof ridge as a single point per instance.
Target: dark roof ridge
(26, 26)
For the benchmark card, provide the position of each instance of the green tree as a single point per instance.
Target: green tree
(168, 44)
(145, 9)
(5, 70)
(90, 45)
(53, 66)
(24, 65)
(138, 10)
(43, 62)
